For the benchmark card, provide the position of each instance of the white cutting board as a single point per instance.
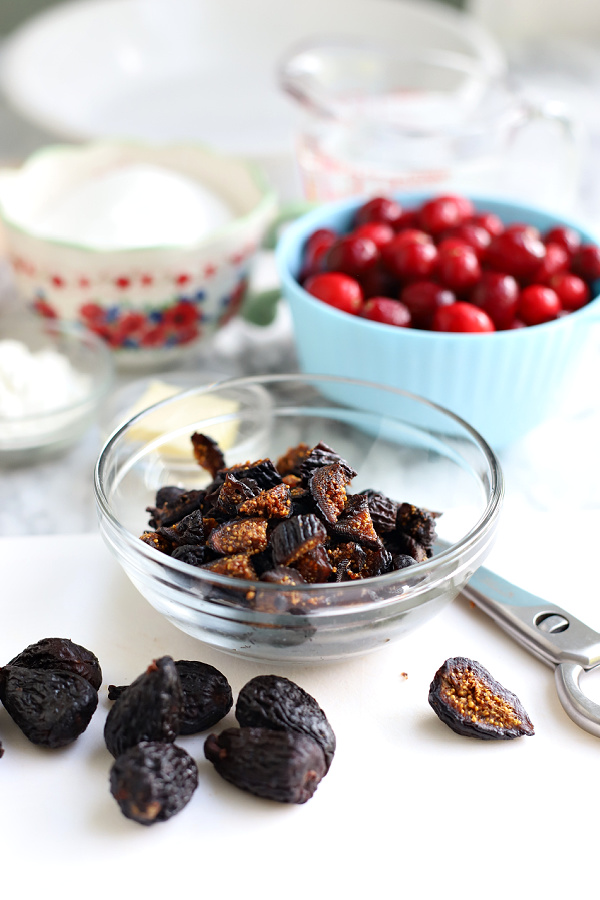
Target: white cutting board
(408, 807)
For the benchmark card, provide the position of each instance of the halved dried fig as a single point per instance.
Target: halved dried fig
(328, 488)
(273, 503)
(207, 453)
(466, 698)
(239, 536)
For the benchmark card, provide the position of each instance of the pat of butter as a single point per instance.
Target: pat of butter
(192, 409)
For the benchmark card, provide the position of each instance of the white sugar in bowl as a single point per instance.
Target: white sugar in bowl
(148, 246)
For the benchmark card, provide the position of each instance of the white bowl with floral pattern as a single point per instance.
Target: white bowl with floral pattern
(151, 304)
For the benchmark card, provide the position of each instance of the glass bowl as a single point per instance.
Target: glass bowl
(76, 368)
(403, 446)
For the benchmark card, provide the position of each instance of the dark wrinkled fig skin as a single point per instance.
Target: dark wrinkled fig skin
(51, 708)
(207, 696)
(278, 765)
(149, 710)
(63, 655)
(153, 781)
(271, 701)
(510, 722)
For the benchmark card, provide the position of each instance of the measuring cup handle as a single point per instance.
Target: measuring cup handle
(583, 711)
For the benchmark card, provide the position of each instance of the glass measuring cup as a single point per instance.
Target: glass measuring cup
(375, 121)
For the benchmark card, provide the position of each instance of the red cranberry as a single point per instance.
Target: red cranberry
(423, 298)
(445, 212)
(378, 282)
(336, 289)
(462, 316)
(586, 262)
(387, 311)
(458, 268)
(409, 259)
(450, 243)
(516, 227)
(319, 237)
(315, 251)
(378, 232)
(538, 304)
(498, 295)
(516, 252)
(492, 223)
(565, 236)
(469, 233)
(379, 209)
(556, 260)
(572, 291)
(408, 219)
(412, 234)
(352, 255)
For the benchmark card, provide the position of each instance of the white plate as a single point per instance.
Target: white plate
(199, 69)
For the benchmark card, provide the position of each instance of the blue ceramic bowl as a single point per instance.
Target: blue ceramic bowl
(504, 384)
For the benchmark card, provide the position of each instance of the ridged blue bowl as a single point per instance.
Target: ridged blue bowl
(503, 384)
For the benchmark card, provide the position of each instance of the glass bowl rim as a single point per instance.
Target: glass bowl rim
(452, 552)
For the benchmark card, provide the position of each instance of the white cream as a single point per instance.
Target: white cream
(35, 383)
(133, 206)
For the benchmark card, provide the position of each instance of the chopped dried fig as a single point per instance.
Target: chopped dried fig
(207, 453)
(289, 463)
(192, 554)
(262, 471)
(356, 524)
(158, 541)
(283, 575)
(173, 510)
(383, 511)
(233, 492)
(189, 530)
(296, 536)
(322, 455)
(466, 698)
(237, 566)
(274, 503)
(417, 523)
(328, 488)
(314, 565)
(239, 536)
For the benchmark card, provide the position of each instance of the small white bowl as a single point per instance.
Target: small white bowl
(60, 422)
(151, 304)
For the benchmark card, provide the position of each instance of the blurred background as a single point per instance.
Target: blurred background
(551, 48)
